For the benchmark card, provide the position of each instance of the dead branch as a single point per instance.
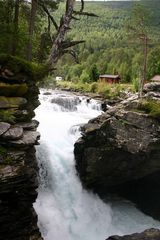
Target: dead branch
(85, 14)
(82, 6)
(48, 14)
(68, 44)
(56, 50)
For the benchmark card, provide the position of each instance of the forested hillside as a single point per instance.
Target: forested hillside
(107, 47)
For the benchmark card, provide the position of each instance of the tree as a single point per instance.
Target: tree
(94, 73)
(139, 30)
(34, 6)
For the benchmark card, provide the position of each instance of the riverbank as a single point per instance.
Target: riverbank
(98, 89)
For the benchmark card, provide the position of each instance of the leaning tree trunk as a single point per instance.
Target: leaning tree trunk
(31, 29)
(57, 49)
(144, 71)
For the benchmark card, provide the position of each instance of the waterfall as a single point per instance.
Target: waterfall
(65, 210)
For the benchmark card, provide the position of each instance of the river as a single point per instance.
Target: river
(65, 210)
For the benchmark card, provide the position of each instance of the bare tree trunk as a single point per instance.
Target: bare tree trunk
(31, 28)
(16, 27)
(144, 71)
(57, 50)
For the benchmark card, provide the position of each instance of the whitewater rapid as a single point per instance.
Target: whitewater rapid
(65, 210)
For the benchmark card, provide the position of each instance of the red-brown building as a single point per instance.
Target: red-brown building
(109, 78)
(156, 78)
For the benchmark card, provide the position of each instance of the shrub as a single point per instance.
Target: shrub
(151, 107)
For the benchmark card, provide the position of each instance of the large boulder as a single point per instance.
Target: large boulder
(118, 146)
(119, 152)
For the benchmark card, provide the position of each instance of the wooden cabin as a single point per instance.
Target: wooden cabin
(156, 78)
(109, 78)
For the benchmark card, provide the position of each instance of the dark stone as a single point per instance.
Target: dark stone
(150, 234)
(119, 152)
(32, 125)
(13, 133)
(47, 93)
(29, 138)
(18, 165)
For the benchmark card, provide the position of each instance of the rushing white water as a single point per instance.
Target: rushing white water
(65, 210)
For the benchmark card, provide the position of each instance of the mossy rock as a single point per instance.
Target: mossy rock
(21, 70)
(9, 90)
(7, 115)
(11, 102)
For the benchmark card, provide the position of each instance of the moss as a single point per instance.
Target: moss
(12, 102)
(13, 89)
(7, 116)
(5, 158)
(18, 65)
(3, 150)
(8, 160)
(151, 107)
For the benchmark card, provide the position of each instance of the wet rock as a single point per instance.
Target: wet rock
(4, 127)
(150, 234)
(67, 103)
(14, 133)
(32, 125)
(152, 87)
(29, 138)
(47, 93)
(119, 146)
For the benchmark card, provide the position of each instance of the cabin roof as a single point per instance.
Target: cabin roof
(109, 76)
(156, 78)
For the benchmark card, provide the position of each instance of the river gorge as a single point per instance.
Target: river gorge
(66, 211)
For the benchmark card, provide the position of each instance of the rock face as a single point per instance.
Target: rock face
(151, 234)
(18, 166)
(122, 146)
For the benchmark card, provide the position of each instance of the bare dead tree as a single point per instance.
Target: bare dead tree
(60, 46)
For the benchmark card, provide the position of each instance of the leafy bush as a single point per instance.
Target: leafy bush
(135, 82)
(151, 107)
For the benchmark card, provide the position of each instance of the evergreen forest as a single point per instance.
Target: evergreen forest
(108, 44)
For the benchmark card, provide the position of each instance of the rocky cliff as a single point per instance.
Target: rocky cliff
(18, 166)
(121, 148)
(150, 234)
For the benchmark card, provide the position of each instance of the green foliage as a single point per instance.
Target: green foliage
(107, 45)
(151, 107)
(135, 82)
(3, 150)
(85, 78)
(109, 91)
(18, 65)
(94, 73)
(94, 87)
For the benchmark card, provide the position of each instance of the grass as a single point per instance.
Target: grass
(151, 107)
(110, 91)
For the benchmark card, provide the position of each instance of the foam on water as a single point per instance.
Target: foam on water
(65, 210)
